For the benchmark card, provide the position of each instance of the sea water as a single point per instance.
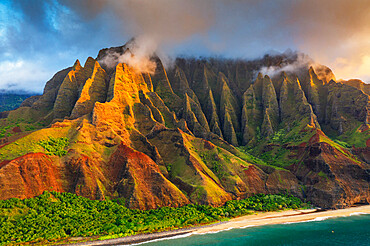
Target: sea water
(351, 230)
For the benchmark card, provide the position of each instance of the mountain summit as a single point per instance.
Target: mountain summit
(203, 131)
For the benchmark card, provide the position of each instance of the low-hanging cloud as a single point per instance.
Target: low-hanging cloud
(301, 61)
(18, 75)
(334, 33)
(156, 25)
(138, 55)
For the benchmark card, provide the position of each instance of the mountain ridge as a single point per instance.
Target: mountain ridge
(185, 134)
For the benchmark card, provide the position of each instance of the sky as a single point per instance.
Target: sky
(40, 37)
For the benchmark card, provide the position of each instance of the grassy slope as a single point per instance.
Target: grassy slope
(29, 143)
(277, 155)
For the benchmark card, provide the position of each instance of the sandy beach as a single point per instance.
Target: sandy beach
(258, 219)
(290, 216)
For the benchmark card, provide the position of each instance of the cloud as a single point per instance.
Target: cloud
(156, 25)
(22, 75)
(49, 34)
(333, 33)
(138, 55)
(301, 61)
(329, 31)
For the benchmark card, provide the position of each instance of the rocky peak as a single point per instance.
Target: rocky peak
(179, 135)
(77, 65)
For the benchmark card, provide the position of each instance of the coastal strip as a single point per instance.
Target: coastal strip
(292, 216)
(258, 219)
(139, 238)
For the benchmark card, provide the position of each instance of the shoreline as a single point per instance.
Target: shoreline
(258, 219)
(285, 217)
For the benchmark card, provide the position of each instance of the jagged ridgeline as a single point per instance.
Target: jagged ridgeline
(203, 131)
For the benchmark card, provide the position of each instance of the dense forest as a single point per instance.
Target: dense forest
(54, 216)
(10, 101)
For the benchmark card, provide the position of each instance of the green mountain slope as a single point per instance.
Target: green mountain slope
(203, 131)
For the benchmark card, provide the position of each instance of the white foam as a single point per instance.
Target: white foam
(214, 232)
(326, 217)
(190, 234)
(164, 238)
(357, 213)
(321, 218)
(243, 227)
(227, 229)
(313, 220)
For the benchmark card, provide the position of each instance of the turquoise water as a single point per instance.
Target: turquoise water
(352, 230)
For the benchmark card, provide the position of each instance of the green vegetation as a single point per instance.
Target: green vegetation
(214, 163)
(278, 154)
(339, 146)
(169, 167)
(342, 144)
(323, 175)
(3, 130)
(356, 136)
(54, 216)
(249, 157)
(296, 133)
(217, 169)
(55, 146)
(29, 128)
(279, 136)
(30, 142)
(353, 138)
(6, 126)
(278, 157)
(11, 101)
(258, 133)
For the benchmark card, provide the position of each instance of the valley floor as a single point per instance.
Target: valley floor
(258, 219)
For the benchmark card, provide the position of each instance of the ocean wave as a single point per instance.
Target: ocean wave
(227, 229)
(190, 234)
(244, 227)
(325, 218)
(164, 238)
(216, 231)
(312, 220)
(358, 213)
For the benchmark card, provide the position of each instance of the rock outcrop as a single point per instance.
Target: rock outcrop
(333, 177)
(203, 131)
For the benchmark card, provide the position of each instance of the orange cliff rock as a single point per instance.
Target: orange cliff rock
(29, 176)
(171, 138)
(94, 90)
(139, 180)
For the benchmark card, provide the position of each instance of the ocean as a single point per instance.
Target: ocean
(352, 230)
